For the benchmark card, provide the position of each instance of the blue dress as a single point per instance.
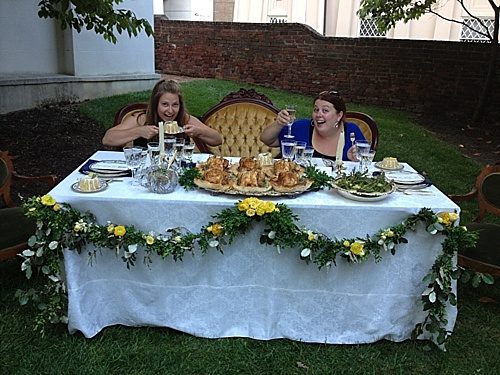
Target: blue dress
(302, 130)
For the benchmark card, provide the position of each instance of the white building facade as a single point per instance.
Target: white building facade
(338, 18)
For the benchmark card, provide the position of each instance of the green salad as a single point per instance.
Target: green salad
(362, 183)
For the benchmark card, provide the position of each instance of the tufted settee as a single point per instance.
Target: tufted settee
(240, 117)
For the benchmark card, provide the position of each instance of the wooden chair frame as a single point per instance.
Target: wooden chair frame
(485, 206)
(5, 194)
(367, 125)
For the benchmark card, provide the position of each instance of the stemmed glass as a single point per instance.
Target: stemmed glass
(169, 146)
(363, 150)
(133, 158)
(187, 153)
(290, 108)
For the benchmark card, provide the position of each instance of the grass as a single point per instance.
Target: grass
(473, 348)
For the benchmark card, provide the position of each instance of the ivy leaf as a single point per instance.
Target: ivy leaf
(487, 278)
(476, 280)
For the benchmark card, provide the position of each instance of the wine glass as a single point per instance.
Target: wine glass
(187, 152)
(363, 149)
(291, 109)
(133, 158)
(288, 148)
(169, 146)
(154, 152)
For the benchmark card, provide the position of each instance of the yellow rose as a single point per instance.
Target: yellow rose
(269, 207)
(217, 229)
(346, 243)
(177, 239)
(260, 210)
(56, 207)
(111, 228)
(77, 227)
(311, 236)
(120, 231)
(250, 212)
(254, 202)
(243, 206)
(210, 228)
(48, 200)
(389, 233)
(150, 240)
(454, 216)
(357, 248)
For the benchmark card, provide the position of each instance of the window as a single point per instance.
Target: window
(469, 35)
(368, 29)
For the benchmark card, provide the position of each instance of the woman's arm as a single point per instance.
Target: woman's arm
(270, 135)
(196, 129)
(128, 131)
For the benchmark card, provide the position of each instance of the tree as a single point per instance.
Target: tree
(386, 13)
(99, 15)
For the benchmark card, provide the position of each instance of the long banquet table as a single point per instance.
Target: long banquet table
(252, 290)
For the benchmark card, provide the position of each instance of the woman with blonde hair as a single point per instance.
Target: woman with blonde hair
(166, 103)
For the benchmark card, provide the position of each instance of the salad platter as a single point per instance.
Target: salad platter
(360, 187)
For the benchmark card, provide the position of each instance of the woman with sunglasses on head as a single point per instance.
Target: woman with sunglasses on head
(165, 104)
(322, 132)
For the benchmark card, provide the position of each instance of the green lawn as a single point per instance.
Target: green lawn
(473, 348)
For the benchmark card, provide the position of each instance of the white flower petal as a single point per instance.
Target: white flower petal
(305, 252)
(132, 248)
(213, 243)
(271, 234)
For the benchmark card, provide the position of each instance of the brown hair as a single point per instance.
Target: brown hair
(159, 89)
(333, 97)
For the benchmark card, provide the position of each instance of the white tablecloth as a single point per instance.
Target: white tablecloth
(252, 290)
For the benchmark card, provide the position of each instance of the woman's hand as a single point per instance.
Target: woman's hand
(351, 154)
(148, 131)
(193, 130)
(283, 118)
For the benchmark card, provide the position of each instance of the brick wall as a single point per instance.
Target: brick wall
(407, 74)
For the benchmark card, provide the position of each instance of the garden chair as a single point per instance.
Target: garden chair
(15, 227)
(485, 257)
(366, 124)
(128, 110)
(240, 117)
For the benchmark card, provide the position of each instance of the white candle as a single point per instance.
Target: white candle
(161, 141)
(340, 149)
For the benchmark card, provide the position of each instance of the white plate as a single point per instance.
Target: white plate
(109, 166)
(76, 188)
(397, 168)
(405, 177)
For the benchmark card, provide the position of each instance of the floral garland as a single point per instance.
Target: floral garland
(59, 226)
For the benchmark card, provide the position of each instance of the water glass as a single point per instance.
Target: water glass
(133, 157)
(169, 146)
(361, 147)
(187, 152)
(154, 153)
(299, 151)
(288, 148)
(308, 154)
(366, 159)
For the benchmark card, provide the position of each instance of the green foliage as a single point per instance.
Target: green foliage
(98, 15)
(62, 227)
(187, 176)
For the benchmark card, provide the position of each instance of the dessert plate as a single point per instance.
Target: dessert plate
(379, 165)
(75, 187)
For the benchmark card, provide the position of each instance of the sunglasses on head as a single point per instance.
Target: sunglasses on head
(332, 93)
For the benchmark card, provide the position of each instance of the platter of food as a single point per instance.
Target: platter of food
(249, 177)
(360, 187)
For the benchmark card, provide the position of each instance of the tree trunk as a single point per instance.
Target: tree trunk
(488, 82)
